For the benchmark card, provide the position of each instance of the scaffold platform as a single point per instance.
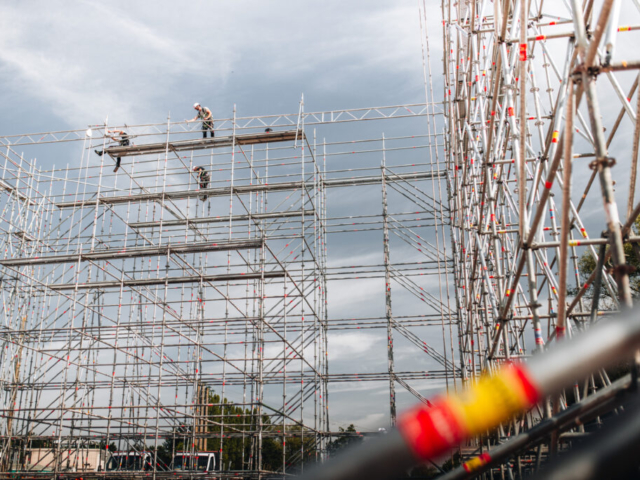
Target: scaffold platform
(204, 143)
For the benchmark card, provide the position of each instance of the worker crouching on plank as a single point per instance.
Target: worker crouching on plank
(204, 114)
(119, 136)
(203, 178)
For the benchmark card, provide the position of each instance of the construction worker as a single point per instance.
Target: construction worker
(124, 140)
(204, 114)
(203, 178)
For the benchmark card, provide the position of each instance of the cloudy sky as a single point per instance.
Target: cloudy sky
(69, 64)
(66, 65)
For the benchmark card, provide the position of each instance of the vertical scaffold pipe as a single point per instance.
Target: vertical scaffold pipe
(387, 284)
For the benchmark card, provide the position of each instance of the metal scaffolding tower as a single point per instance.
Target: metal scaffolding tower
(146, 310)
(536, 96)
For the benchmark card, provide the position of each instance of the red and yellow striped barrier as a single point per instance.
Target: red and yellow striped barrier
(431, 431)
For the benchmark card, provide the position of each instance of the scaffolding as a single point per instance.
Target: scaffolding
(150, 309)
(148, 312)
(536, 96)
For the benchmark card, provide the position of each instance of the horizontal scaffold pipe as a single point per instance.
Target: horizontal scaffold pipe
(152, 251)
(221, 219)
(168, 280)
(584, 242)
(12, 190)
(203, 144)
(213, 380)
(246, 189)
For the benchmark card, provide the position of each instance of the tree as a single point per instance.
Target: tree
(587, 265)
(235, 425)
(351, 438)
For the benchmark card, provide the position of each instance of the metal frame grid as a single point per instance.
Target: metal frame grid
(128, 300)
(527, 153)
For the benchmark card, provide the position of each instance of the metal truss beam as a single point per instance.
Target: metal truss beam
(246, 189)
(166, 281)
(134, 252)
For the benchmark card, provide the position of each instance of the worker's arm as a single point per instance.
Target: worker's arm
(208, 114)
(112, 134)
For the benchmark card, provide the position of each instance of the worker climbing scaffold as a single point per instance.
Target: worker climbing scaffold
(119, 136)
(204, 178)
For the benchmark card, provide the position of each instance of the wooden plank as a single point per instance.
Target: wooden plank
(203, 143)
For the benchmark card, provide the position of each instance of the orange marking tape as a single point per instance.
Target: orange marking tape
(523, 52)
(430, 432)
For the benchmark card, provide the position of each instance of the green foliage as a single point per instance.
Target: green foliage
(111, 447)
(452, 463)
(235, 424)
(427, 471)
(234, 419)
(587, 265)
(40, 443)
(353, 438)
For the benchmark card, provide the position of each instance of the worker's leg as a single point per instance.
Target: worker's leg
(117, 164)
(210, 128)
(204, 130)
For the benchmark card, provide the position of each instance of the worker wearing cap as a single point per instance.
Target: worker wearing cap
(203, 179)
(204, 114)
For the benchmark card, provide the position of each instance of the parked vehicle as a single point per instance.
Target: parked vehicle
(71, 459)
(199, 462)
(133, 462)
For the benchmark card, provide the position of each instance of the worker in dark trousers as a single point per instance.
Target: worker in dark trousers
(204, 114)
(204, 178)
(119, 136)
